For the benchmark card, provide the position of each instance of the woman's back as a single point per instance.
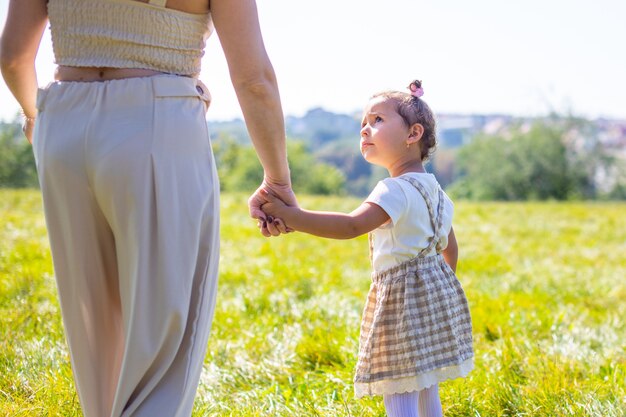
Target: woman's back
(130, 34)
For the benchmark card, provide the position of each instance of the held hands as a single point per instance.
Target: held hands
(278, 193)
(274, 211)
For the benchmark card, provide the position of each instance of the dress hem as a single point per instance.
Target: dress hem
(413, 383)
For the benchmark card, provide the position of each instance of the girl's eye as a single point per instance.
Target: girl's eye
(378, 119)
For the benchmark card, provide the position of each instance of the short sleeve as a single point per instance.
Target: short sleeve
(390, 197)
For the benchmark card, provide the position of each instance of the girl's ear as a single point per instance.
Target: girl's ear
(416, 131)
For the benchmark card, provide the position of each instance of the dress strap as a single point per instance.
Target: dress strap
(436, 220)
(159, 3)
(370, 239)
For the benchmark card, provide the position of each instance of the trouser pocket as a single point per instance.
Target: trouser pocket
(181, 87)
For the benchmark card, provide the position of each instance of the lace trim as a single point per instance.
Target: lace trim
(413, 383)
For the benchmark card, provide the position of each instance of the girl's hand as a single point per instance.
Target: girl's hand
(275, 224)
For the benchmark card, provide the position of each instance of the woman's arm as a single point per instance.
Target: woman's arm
(252, 75)
(365, 218)
(451, 252)
(26, 21)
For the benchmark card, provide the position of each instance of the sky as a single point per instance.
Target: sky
(524, 58)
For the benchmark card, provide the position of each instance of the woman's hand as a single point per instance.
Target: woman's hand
(28, 127)
(282, 191)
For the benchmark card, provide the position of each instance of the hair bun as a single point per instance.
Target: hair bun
(416, 88)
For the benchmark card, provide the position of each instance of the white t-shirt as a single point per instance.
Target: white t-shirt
(409, 230)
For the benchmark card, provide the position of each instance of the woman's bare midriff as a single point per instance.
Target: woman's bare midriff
(63, 73)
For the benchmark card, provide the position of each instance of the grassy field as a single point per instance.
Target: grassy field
(545, 282)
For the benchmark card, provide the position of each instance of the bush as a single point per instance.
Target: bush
(17, 162)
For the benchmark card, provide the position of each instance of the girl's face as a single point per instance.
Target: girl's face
(383, 133)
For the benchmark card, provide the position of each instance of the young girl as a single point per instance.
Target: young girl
(416, 329)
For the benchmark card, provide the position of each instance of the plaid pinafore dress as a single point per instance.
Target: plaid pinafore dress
(416, 329)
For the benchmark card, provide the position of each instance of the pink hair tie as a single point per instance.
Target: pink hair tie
(416, 91)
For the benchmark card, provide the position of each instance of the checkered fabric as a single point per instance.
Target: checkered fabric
(416, 318)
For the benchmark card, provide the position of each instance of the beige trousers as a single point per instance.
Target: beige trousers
(131, 200)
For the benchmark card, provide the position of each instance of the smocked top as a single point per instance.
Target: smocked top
(128, 34)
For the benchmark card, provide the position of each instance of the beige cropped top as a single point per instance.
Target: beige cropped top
(128, 34)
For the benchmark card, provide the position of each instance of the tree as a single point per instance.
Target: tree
(527, 162)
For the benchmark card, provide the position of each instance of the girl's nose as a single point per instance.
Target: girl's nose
(365, 131)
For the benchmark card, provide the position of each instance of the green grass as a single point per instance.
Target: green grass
(545, 282)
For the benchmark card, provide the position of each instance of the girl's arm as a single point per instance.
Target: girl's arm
(451, 252)
(333, 225)
(20, 41)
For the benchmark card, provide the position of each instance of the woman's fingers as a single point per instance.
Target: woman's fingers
(28, 128)
(263, 228)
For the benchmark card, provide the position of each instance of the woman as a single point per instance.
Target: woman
(129, 183)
